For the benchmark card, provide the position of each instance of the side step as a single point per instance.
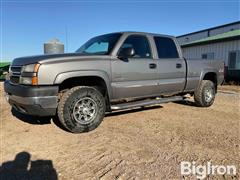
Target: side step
(135, 104)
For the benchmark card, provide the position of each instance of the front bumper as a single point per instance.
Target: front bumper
(39, 101)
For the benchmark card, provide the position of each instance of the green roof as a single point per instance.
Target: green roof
(227, 35)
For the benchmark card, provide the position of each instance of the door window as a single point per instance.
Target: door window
(140, 45)
(166, 47)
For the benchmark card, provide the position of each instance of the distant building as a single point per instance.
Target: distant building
(53, 46)
(220, 43)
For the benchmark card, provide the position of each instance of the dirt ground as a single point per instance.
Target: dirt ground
(145, 143)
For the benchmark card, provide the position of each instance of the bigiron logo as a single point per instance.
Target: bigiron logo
(202, 171)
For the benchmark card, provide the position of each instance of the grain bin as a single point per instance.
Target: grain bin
(53, 46)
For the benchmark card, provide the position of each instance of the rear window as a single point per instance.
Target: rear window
(166, 47)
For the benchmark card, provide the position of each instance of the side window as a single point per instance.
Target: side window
(204, 56)
(208, 56)
(234, 60)
(166, 47)
(140, 45)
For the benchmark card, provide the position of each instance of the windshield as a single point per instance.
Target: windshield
(101, 45)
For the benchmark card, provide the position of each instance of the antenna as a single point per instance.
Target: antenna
(66, 38)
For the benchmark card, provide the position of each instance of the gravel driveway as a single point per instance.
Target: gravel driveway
(144, 143)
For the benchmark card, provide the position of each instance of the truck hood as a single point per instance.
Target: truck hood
(54, 58)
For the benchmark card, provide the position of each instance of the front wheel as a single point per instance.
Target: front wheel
(81, 109)
(204, 96)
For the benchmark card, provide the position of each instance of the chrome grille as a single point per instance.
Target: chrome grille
(15, 73)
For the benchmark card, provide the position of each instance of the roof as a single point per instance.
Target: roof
(212, 28)
(231, 35)
(142, 33)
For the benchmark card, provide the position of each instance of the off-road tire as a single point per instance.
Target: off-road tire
(200, 94)
(68, 102)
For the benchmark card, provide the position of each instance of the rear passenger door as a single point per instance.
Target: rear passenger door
(172, 68)
(137, 76)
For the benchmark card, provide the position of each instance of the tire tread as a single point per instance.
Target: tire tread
(62, 103)
(198, 94)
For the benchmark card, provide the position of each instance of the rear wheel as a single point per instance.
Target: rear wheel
(204, 96)
(81, 109)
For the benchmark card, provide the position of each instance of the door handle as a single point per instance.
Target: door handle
(178, 65)
(152, 66)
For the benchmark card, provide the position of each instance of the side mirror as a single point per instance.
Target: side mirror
(126, 53)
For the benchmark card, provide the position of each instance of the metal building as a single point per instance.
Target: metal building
(219, 43)
(53, 46)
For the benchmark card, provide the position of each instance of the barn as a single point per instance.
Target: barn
(218, 43)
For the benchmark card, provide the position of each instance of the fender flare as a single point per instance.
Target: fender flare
(72, 74)
(204, 72)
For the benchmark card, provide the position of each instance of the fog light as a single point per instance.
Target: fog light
(26, 80)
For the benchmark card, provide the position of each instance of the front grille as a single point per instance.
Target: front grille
(14, 79)
(16, 69)
(15, 73)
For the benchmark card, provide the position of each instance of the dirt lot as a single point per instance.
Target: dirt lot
(134, 144)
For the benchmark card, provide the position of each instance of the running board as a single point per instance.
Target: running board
(145, 103)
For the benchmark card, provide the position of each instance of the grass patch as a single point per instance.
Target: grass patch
(3, 64)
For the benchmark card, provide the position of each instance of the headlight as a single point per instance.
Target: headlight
(32, 68)
(29, 74)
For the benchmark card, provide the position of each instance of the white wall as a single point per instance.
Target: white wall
(220, 50)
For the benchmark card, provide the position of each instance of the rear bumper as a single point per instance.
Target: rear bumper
(39, 101)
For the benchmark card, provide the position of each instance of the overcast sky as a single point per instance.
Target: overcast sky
(26, 25)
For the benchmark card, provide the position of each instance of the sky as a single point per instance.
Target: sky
(26, 25)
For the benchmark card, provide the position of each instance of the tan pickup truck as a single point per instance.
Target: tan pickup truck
(109, 72)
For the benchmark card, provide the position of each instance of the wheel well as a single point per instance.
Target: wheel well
(93, 81)
(211, 76)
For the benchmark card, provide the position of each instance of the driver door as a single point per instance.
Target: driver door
(136, 76)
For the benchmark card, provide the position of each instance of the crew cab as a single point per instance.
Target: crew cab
(108, 73)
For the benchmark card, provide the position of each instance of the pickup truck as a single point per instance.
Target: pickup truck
(108, 73)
